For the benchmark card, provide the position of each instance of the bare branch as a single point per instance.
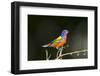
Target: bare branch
(46, 54)
(77, 52)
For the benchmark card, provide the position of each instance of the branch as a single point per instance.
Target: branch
(47, 55)
(70, 53)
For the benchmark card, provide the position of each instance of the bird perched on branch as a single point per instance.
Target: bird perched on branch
(60, 41)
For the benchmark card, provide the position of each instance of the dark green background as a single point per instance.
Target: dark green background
(44, 29)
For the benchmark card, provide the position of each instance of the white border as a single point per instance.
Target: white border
(26, 65)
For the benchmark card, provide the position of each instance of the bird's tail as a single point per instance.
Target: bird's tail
(45, 45)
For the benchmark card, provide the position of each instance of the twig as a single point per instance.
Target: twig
(47, 55)
(57, 53)
(60, 53)
(70, 53)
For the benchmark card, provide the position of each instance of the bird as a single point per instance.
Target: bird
(59, 41)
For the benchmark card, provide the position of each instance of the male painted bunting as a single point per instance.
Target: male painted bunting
(60, 41)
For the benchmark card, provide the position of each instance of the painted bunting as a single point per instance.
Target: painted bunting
(60, 41)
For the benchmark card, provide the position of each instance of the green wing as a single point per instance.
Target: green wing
(57, 40)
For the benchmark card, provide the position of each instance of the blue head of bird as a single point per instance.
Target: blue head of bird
(64, 33)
